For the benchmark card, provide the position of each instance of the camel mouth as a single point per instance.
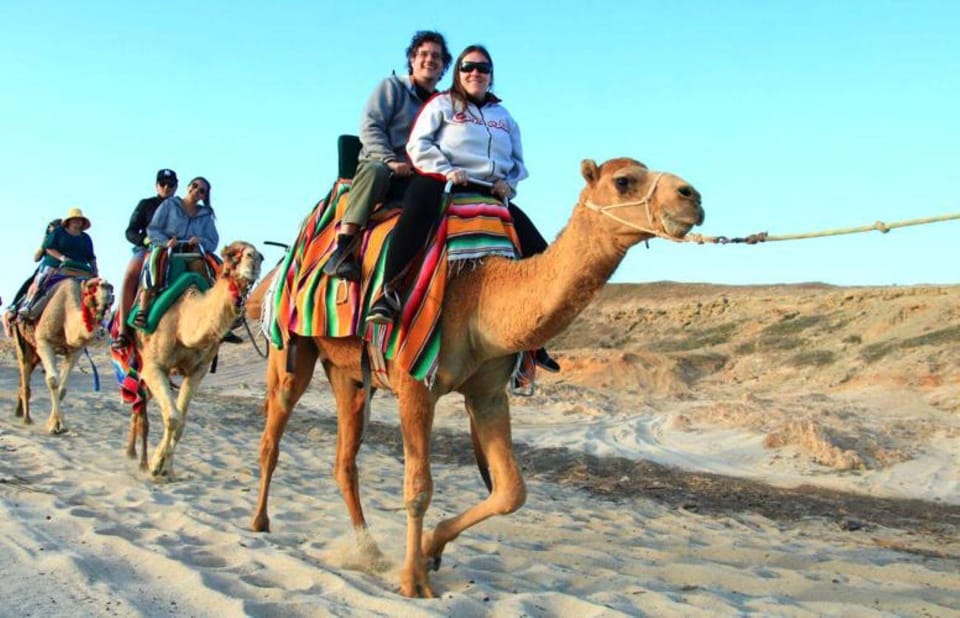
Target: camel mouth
(675, 227)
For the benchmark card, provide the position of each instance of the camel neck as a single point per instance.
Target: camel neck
(537, 298)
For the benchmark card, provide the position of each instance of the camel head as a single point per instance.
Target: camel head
(241, 264)
(96, 298)
(647, 203)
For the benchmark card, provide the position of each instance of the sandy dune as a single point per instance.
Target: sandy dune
(707, 450)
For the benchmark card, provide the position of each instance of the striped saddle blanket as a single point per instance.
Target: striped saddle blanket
(306, 302)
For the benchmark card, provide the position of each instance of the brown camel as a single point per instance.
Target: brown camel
(69, 322)
(495, 311)
(185, 342)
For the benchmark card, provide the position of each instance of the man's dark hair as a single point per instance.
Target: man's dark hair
(428, 36)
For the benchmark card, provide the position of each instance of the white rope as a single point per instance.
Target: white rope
(645, 202)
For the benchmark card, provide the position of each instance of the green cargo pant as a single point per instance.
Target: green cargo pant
(370, 185)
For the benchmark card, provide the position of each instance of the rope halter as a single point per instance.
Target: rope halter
(645, 202)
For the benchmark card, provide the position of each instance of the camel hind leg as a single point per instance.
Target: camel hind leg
(27, 361)
(283, 392)
(350, 426)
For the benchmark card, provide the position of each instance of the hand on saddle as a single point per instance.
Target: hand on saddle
(173, 243)
(458, 176)
(401, 169)
(501, 190)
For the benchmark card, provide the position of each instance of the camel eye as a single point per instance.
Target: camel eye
(622, 182)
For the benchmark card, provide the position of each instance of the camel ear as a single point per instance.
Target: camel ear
(590, 171)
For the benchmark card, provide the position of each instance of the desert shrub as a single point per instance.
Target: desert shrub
(791, 325)
(943, 336)
(698, 339)
(813, 358)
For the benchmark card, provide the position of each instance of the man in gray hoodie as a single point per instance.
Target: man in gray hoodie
(384, 130)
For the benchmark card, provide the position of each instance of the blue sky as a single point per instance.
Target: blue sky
(787, 116)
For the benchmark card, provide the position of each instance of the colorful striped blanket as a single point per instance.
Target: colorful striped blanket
(126, 366)
(309, 303)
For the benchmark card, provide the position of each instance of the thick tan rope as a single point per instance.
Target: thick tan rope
(760, 237)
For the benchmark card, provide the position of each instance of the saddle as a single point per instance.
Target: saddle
(309, 303)
(80, 271)
(181, 271)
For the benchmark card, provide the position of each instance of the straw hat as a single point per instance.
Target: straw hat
(76, 213)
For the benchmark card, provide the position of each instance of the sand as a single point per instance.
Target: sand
(707, 450)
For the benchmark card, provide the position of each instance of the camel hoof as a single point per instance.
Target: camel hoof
(260, 524)
(56, 430)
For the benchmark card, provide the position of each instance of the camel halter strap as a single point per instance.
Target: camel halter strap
(645, 202)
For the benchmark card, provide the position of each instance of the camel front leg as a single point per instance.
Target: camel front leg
(490, 416)
(139, 426)
(416, 423)
(283, 392)
(159, 384)
(55, 384)
(350, 402)
(188, 387)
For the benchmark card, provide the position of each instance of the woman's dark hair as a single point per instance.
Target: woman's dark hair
(428, 36)
(457, 91)
(206, 200)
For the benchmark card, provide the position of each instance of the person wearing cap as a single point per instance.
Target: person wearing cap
(137, 235)
(384, 168)
(186, 222)
(67, 243)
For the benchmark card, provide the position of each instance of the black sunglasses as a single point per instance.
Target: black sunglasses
(198, 187)
(484, 68)
(167, 183)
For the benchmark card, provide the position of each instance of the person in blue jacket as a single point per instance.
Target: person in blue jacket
(178, 223)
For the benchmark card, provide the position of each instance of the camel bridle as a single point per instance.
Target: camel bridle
(645, 202)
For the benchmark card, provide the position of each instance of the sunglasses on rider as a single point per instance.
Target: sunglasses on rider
(167, 183)
(484, 68)
(198, 186)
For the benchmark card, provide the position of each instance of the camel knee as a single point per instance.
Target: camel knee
(345, 475)
(52, 382)
(417, 506)
(510, 498)
(173, 423)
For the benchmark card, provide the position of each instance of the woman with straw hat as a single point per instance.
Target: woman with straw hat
(67, 243)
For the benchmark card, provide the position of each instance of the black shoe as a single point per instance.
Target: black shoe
(342, 263)
(122, 342)
(542, 359)
(385, 310)
(231, 337)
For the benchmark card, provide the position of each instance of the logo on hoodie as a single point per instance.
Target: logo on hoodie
(463, 117)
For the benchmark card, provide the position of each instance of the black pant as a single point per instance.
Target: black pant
(421, 214)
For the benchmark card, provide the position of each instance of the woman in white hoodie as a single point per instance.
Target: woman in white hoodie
(460, 134)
